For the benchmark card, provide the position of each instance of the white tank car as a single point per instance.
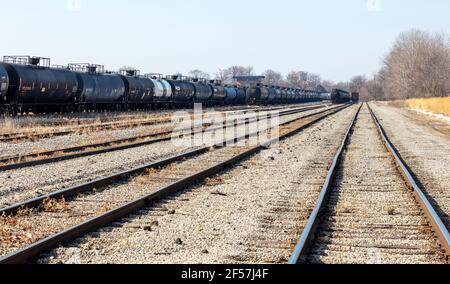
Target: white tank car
(163, 90)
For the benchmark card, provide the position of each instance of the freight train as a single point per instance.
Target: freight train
(29, 84)
(340, 96)
(355, 97)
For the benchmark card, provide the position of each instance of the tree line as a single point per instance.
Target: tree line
(295, 79)
(417, 66)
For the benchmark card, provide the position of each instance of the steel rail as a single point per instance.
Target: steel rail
(20, 136)
(435, 221)
(33, 251)
(311, 226)
(23, 163)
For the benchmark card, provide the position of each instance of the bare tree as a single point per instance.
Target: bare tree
(357, 83)
(223, 75)
(272, 78)
(342, 85)
(227, 75)
(374, 88)
(303, 76)
(293, 79)
(418, 66)
(199, 74)
(302, 79)
(241, 71)
(328, 85)
(313, 81)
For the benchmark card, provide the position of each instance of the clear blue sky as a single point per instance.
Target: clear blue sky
(336, 39)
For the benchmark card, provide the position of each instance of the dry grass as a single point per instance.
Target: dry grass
(146, 176)
(100, 139)
(251, 163)
(105, 208)
(54, 205)
(390, 210)
(141, 180)
(11, 126)
(39, 151)
(344, 207)
(151, 171)
(434, 105)
(12, 232)
(76, 126)
(7, 126)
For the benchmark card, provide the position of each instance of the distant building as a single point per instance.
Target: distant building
(249, 80)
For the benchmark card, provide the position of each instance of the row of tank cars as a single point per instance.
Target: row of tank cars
(30, 85)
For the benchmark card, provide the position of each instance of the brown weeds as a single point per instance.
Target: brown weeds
(390, 210)
(52, 205)
(145, 177)
(12, 232)
(39, 151)
(344, 208)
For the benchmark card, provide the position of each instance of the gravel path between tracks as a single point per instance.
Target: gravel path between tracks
(21, 184)
(371, 217)
(250, 214)
(72, 140)
(424, 144)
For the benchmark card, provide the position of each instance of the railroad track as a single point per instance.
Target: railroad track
(118, 125)
(34, 136)
(159, 135)
(63, 216)
(370, 209)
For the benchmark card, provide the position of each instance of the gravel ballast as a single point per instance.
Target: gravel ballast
(424, 144)
(251, 214)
